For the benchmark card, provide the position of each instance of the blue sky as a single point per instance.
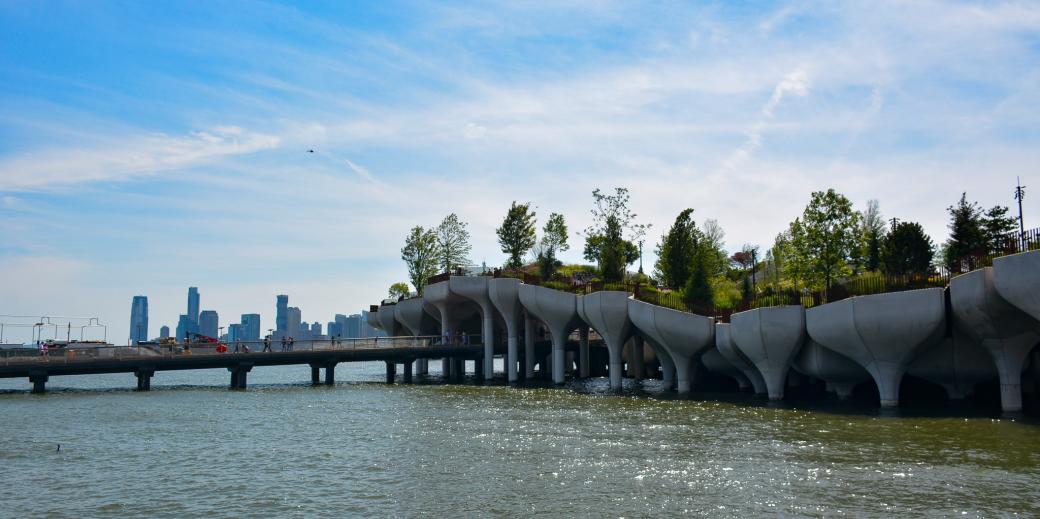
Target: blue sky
(146, 147)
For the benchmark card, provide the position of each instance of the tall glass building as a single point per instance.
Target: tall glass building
(209, 323)
(164, 332)
(250, 327)
(281, 316)
(139, 320)
(193, 304)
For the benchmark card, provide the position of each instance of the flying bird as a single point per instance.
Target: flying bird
(310, 151)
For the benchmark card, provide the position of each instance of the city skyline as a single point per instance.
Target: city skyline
(414, 111)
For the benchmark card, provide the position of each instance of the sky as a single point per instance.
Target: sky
(146, 147)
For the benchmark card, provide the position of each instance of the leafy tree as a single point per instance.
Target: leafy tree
(907, 250)
(517, 233)
(967, 234)
(873, 231)
(997, 225)
(554, 239)
(452, 243)
(605, 240)
(398, 290)
(420, 255)
(823, 240)
(713, 246)
(676, 251)
(698, 292)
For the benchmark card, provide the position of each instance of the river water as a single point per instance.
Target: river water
(283, 448)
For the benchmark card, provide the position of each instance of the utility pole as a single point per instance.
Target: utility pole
(1020, 193)
(895, 222)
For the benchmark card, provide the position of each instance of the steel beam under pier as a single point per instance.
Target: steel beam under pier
(408, 372)
(238, 375)
(144, 379)
(39, 382)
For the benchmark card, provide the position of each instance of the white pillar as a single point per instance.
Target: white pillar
(488, 336)
(511, 356)
(558, 343)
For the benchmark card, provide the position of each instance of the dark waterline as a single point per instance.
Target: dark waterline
(283, 448)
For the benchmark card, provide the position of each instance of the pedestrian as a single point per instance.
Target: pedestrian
(292, 342)
(285, 343)
(238, 345)
(267, 343)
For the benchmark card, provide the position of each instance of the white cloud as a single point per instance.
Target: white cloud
(127, 156)
(794, 83)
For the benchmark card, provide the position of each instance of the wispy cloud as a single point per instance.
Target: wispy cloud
(129, 157)
(794, 83)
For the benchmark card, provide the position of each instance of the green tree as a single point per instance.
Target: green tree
(997, 225)
(676, 251)
(605, 240)
(452, 243)
(554, 240)
(823, 240)
(873, 232)
(967, 235)
(398, 290)
(907, 250)
(698, 292)
(517, 233)
(420, 255)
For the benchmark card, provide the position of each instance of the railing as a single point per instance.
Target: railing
(71, 355)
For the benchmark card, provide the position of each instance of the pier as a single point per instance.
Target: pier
(145, 361)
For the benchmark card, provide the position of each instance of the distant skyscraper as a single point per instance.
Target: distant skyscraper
(341, 326)
(250, 327)
(293, 319)
(164, 332)
(332, 329)
(139, 320)
(353, 326)
(209, 323)
(185, 327)
(193, 304)
(234, 332)
(315, 329)
(280, 319)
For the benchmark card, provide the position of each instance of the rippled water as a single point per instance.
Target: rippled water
(282, 448)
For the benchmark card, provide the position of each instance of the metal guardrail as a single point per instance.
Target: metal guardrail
(74, 355)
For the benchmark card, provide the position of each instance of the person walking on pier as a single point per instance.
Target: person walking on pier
(292, 342)
(267, 344)
(285, 343)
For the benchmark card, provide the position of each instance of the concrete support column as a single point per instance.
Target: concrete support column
(547, 366)
(529, 327)
(638, 365)
(478, 370)
(683, 380)
(408, 371)
(39, 381)
(488, 338)
(391, 371)
(315, 374)
(459, 369)
(330, 374)
(616, 367)
(446, 368)
(511, 357)
(584, 361)
(144, 379)
(238, 375)
(559, 342)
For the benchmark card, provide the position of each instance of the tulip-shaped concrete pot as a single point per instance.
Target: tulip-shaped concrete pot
(505, 295)
(1007, 332)
(1017, 280)
(558, 310)
(373, 320)
(388, 320)
(607, 313)
(475, 288)
(881, 332)
(683, 335)
(714, 361)
(770, 337)
(839, 372)
(956, 363)
(725, 347)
